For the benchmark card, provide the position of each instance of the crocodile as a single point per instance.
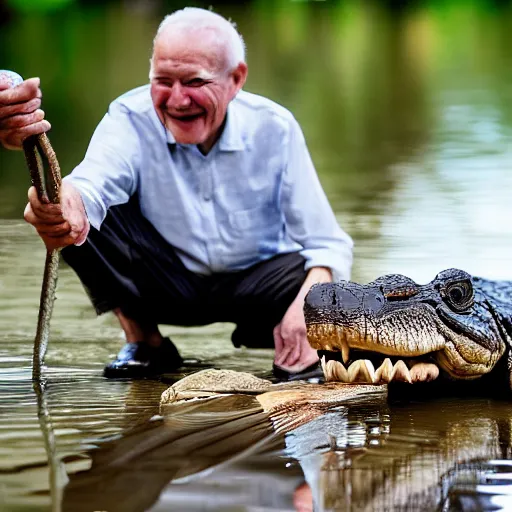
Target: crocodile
(457, 326)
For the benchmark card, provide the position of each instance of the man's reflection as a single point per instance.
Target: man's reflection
(303, 498)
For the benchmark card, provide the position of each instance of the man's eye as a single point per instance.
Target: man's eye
(195, 82)
(164, 83)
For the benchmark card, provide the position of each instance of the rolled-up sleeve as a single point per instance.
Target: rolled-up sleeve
(309, 218)
(107, 176)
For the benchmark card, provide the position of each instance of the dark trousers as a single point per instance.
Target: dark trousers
(129, 265)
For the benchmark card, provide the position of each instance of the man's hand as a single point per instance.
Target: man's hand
(59, 225)
(20, 115)
(293, 351)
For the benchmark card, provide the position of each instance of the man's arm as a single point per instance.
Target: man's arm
(310, 220)
(107, 176)
(104, 178)
(327, 249)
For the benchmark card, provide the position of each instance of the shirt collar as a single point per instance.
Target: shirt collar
(231, 138)
(170, 137)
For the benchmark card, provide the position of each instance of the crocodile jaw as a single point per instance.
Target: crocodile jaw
(463, 358)
(389, 335)
(458, 355)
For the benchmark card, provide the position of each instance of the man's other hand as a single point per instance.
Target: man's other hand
(59, 225)
(20, 115)
(293, 351)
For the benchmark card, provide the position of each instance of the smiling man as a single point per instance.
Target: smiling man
(195, 203)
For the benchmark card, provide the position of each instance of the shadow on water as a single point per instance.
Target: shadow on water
(407, 110)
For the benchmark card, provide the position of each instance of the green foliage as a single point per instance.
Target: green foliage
(38, 5)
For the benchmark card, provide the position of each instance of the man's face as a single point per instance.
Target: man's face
(191, 88)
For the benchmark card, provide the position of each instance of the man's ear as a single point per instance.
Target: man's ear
(240, 75)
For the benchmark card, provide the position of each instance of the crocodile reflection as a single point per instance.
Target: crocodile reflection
(227, 451)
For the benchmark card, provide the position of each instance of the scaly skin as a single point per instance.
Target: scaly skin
(457, 323)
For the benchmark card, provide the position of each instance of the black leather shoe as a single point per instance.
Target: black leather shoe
(138, 360)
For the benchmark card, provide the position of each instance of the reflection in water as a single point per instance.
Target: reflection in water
(190, 442)
(364, 455)
(200, 445)
(303, 498)
(57, 471)
(408, 117)
(417, 463)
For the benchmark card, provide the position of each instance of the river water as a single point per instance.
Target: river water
(408, 117)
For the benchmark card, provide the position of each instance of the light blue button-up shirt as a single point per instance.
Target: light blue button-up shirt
(254, 195)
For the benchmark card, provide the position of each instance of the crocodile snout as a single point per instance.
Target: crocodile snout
(345, 297)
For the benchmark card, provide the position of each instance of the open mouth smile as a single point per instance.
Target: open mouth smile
(186, 118)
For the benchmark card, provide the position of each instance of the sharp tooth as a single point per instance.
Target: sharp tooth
(361, 371)
(354, 369)
(424, 372)
(324, 366)
(384, 371)
(340, 372)
(370, 370)
(329, 370)
(341, 343)
(345, 349)
(401, 372)
(335, 372)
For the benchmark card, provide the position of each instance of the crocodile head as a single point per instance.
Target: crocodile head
(455, 322)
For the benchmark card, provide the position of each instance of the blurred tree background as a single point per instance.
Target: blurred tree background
(386, 91)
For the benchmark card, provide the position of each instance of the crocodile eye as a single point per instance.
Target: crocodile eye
(459, 295)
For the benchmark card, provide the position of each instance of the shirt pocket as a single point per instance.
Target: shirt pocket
(252, 221)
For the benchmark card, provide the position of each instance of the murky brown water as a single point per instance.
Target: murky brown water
(408, 115)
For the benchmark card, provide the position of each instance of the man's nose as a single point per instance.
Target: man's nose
(178, 98)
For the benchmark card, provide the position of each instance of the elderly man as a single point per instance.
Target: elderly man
(196, 202)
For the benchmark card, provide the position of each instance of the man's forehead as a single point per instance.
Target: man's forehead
(180, 68)
(188, 49)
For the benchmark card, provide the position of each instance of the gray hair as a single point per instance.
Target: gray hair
(225, 30)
